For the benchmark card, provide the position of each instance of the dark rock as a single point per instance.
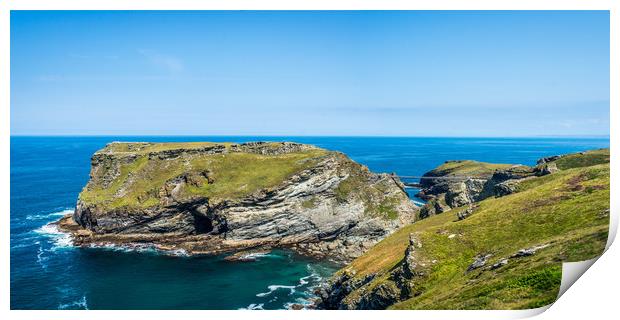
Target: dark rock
(333, 292)
(433, 207)
(548, 159)
(505, 188)
(505, 182)
(479, 262)
(454, 192)
(408, 269)
(499, 264)
(461, 215)
(379, 298)
(409, 265)
(399, 286)
(547, 168)
(462, 193)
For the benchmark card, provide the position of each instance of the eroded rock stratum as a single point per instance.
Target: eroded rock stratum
(206, 198)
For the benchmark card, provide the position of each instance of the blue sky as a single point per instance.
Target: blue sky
(310, 73)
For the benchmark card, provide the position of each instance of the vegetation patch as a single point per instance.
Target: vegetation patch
(583, 159)
(310, 203)
(144, 181)
(356, 185)
(468, 168)
(387, 209)
(147, 147)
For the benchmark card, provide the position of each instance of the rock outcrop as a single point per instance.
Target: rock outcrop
(466, 182)
(399, 285)
(206, 198)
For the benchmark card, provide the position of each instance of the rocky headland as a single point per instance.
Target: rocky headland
(461, 182)
(210, 198)
(491, 236)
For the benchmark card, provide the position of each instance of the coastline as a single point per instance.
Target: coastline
(308, 291)
(182, 246)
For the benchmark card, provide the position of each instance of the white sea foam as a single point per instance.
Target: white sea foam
(138, 247)
(275, 287)
(41, 259)
(23, 245)
(78, 304)
(300, 294)
(254, 306)
(255, 255)
(314, 274)
(58, 238)
(304, 280)
(178, 253)
(47, 216)
(310, 268)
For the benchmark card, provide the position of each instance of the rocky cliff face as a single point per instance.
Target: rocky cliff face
(345, 291)
(206, 198)
(458, 183)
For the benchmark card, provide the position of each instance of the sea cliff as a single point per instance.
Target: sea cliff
(208, 198)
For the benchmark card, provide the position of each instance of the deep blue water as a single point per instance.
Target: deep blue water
(47, 173)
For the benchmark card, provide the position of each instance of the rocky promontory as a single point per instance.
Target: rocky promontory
(456, 183)
(208, 198)
(503, 250)
(460, 182)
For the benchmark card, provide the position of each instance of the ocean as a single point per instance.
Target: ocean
(47, 174)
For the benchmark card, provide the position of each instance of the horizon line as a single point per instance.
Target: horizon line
(306, 136)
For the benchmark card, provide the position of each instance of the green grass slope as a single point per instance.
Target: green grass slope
(567, 211)
(467, 168)
(139, 182)
(583, 159)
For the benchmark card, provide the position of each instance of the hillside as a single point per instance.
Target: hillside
(506, 252)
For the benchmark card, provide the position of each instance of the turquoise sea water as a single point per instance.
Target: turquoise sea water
(47, 173)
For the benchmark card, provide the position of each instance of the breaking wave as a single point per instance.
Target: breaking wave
(81, 304)
(291, 296)
(254, 306)
(48, 216)
(138, 247)
(58, 238)
(272, 288)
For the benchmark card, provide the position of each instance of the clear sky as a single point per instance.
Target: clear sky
(310, 73)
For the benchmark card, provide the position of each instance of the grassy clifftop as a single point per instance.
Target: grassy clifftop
(467, 168)
(138, 175)
(583, 159)
(563, 216)
(146, 147)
